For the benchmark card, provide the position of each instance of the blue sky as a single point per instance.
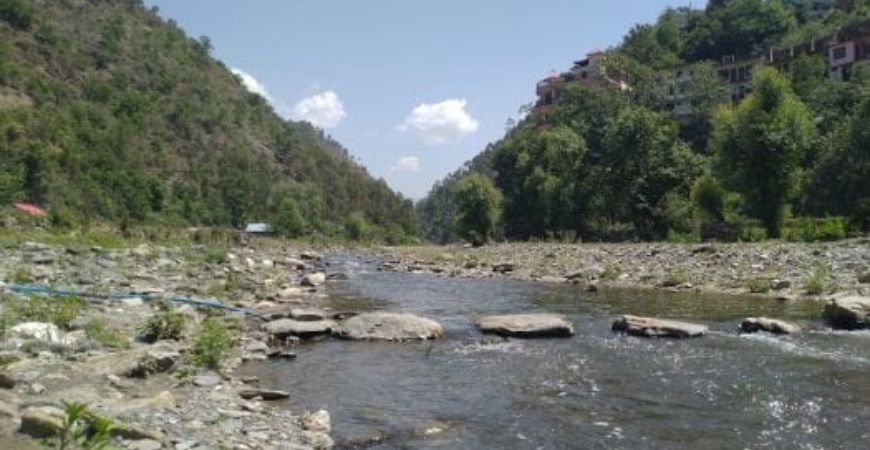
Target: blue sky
(412, 88)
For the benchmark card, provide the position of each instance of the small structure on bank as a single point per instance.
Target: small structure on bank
(258, 228)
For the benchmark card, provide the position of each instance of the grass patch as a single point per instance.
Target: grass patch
(59, 311)
(675, 278)
(166, 325)
(817, 282)
(105, 335)
(611, 272)
(760, 285)
(20, 275)
(213, 344)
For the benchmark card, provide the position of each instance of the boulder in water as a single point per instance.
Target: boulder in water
(774, 326)
(305, 329)
(314, 279)
(848, 313)
(380, 326)
(527, 325)
(659, 328)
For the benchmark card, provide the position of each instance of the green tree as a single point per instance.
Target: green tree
(646, 161)
(739, 27)
(479, 208)
(288, 222)
(357, 227)
(759, 146)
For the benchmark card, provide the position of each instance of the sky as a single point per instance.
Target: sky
(413, 88)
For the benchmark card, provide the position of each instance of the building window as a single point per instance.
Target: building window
(840, 52)
(584, 75)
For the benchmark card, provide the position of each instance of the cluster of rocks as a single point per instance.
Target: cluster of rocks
(777, 269)
(162, 400)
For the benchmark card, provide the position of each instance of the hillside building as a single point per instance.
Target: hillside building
(843, 52)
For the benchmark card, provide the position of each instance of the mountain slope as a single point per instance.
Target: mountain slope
(108, 112)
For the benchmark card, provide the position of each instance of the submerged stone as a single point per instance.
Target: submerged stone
(527, 325)
(657, 328)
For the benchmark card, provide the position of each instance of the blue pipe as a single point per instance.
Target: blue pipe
(147, 296)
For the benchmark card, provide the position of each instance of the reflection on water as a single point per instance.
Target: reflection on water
(596, 390)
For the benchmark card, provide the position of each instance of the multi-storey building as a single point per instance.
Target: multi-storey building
(843, 52)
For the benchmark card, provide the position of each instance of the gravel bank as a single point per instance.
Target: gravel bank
(162, 398)
(776, 269)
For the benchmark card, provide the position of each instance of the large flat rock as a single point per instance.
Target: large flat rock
(527, 325)
(848, 313)
(305, 329)
(658, 328)
(389, 327)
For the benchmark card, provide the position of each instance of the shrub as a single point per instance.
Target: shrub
(752, 233)
(109, 337)
(214, 255)
(212, 345)
(17, 13)
(356, 227)
(817, 282)
(808, 229)
(166, 325)
(678, 237)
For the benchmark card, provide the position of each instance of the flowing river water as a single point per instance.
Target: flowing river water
(597, 390)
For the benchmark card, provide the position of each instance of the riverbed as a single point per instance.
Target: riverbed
(596, 390)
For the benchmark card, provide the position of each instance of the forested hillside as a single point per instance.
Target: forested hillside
(110, 113)
(791, 159)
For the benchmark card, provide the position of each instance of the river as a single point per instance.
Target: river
(597, 390)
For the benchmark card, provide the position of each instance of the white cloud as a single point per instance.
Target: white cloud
(441, 123)
(407, 164)
(323, 110)
(252, 84)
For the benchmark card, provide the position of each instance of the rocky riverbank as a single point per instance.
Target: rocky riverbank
(775, 269)
(156, 391)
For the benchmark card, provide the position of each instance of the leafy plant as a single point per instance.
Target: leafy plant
(212, 344)
(83, 429)
(165, 325)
